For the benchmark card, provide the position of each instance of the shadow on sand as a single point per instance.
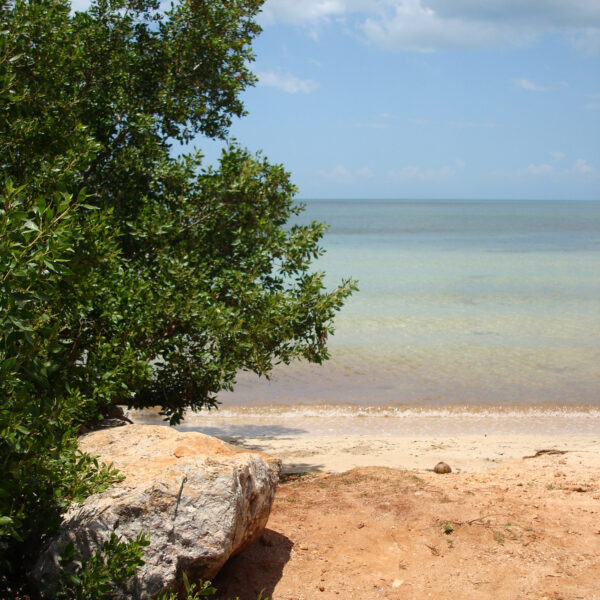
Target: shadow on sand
(259, 568)
(237, 433)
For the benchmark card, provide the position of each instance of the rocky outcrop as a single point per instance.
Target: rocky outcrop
(200, 499)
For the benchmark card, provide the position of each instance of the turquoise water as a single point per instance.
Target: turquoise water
(460, 304)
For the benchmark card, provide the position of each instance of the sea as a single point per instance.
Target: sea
(468, 314)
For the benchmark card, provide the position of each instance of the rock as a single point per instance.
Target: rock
(200, 499)
(442, 468)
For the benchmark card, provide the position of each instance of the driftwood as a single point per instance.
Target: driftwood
(547, 451)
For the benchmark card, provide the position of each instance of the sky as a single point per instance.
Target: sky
(428, 99)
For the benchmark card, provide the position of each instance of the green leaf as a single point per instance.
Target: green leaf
(31, 225)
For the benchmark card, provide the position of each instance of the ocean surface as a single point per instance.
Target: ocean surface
(465, 309)
(460, 303)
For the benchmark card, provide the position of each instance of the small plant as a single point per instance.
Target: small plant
(193, 591)
(499, 537)
(99, 576)
(448, 528)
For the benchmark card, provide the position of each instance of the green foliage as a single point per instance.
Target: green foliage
(98, 577)
(128, 276)
(43, 251)
(193, 591)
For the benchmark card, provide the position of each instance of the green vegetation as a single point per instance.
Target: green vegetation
(192, 591)
(499, 537)
(128, 276)
(448, 528)
(96, 579)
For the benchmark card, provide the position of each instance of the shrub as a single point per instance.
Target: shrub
(128, 276)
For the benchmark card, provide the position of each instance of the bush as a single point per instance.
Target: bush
(99, 576)
(128, 276)
(43, 251)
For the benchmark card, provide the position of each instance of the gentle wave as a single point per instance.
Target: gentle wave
(389, 412)
(459, 412)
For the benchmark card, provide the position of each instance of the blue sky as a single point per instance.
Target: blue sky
(428, 98)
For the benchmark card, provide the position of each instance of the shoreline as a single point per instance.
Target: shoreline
(337, 439)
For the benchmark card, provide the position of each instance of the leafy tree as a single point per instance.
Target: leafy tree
(128, 275)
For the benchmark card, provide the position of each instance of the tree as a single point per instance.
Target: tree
(128, 275)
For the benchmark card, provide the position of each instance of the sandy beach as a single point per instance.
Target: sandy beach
(360, 513)
(338, 438)
(465, 454)
(500, 526)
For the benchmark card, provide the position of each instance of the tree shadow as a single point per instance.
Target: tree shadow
(237, 433)
(294, 470)
(259, 568)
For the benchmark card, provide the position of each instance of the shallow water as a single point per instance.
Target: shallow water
(460, 303)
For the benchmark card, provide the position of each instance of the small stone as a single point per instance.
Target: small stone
(442, 468)
(321, 588)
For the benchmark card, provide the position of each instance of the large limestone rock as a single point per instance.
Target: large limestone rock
(200, 499)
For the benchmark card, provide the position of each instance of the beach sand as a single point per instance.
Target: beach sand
(339, 438)
(499, 527)
(361, 515)
(465, 453)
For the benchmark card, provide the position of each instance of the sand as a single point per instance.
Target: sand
(469, 453)
(500, 526)
(361, 514)
(338, 438)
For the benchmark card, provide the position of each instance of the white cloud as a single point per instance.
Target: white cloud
(286, 82)
(529, 85)
(412, 172)
(581, 13)
(426, 25)
(306, 11)
(341, 174)
(581, 167)
(543, 169)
